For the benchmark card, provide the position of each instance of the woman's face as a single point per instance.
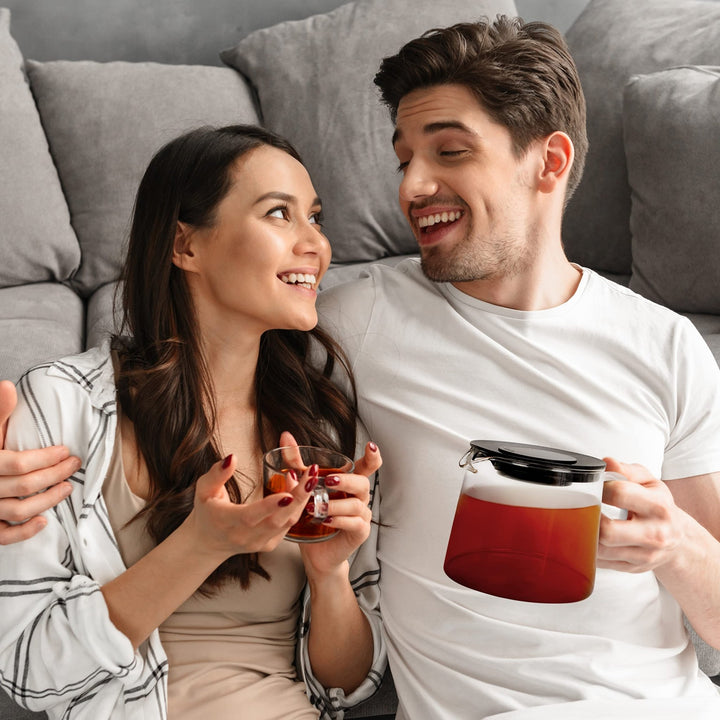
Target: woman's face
(259, 266)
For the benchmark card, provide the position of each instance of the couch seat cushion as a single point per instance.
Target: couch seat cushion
(38, 322)
(103, 314)
(314, 79)
(104, 121)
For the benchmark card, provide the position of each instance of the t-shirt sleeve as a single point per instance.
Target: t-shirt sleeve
(693, 446)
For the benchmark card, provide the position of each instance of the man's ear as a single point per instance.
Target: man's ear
(558, 156)
(183, 254)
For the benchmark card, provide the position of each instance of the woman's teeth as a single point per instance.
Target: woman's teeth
(429, 220)
(306, 280)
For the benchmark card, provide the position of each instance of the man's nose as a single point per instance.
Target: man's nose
(418, 182)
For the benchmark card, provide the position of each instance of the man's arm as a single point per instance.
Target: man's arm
(674, 530)
(31, 481)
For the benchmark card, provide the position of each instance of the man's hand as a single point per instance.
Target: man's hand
(655, 527)
(31, 481)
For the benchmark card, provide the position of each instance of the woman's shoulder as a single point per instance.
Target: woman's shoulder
(58, 400)
(89, 373)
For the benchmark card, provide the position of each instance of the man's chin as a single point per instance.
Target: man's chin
(437, 269)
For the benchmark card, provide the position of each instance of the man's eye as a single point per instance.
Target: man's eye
(452, 153)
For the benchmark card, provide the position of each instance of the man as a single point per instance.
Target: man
(31, 481)
(494, 334)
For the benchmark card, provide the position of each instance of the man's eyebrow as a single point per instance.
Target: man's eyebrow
(435, 127)
(285, 197)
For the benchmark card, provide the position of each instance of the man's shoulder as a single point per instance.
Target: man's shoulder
(376, 279)
(613, 297)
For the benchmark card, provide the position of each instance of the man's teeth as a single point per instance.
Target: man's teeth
(306, 280)
(428, 220)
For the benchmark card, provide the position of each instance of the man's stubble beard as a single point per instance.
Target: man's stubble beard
(475, 259)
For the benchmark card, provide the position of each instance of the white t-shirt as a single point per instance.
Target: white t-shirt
(607, 373)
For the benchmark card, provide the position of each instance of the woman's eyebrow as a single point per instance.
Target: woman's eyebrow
(285, 197)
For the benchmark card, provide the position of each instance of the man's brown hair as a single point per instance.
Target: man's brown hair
(521, 73)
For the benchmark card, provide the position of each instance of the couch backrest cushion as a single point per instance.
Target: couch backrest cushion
(610, 41)
(314, 80)
(104, 121)
(672, 146)
(37, 240)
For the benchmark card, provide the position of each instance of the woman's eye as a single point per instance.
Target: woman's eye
(402, 167)
(317, 218)
(279, 212)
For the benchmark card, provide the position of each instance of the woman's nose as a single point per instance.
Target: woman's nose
(311, 240)
(418, 182)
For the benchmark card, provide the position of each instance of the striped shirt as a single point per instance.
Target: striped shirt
(59, 650)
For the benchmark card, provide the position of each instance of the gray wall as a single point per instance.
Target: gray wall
(180, 31)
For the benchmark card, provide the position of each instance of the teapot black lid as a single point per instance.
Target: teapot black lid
(536, 463)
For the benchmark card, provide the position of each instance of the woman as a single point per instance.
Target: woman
(162, 586)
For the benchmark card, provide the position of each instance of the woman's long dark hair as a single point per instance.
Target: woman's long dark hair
(163, 383)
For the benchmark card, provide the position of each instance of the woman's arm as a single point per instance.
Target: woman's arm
(146, 594)
(340, 644)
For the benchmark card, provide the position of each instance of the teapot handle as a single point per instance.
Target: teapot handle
(467, 460)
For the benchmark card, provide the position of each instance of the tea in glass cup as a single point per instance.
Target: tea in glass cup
(278, 462)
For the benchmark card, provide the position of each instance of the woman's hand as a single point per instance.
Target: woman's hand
(224, 528)
(351, 515)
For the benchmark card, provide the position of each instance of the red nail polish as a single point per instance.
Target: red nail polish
(284, 502)
(373, 446)
(314, 470)
(292, 475)
(227, 461)
(327, 521)
(310, 484)
(332, 481)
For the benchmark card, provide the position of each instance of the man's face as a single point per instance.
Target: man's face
(467, 195)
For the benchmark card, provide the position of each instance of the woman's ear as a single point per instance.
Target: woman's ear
(558, 155)
(183, 255)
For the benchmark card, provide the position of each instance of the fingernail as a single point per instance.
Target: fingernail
(327, 520)
(314, 470)
(284, 502)
(310, 508)
(67, 490)
(373, 446)
(332, 481)
(227, 461)
(292, 475)
(310, 484)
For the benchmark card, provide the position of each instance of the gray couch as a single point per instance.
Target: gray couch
(75, 137)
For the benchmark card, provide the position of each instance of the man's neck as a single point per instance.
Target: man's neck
(543, 285)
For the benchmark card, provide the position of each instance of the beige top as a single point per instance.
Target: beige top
(230, 655)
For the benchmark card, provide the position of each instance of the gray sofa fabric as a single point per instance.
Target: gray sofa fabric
(38, 241)
(611, 41)
(672, 145)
